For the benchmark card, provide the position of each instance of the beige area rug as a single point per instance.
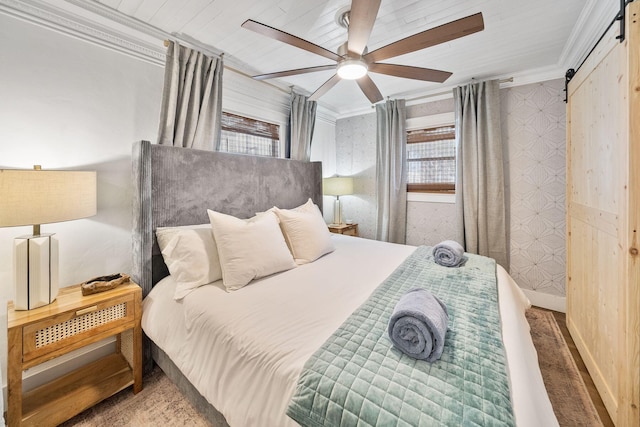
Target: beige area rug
(567, 392)
(160, 403)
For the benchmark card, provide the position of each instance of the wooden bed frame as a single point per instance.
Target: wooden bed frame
(175, 186)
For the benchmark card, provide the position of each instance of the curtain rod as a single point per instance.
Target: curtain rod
(431, 95)
(242, 73)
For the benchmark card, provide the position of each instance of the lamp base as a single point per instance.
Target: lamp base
(337, 212)
(35, 268)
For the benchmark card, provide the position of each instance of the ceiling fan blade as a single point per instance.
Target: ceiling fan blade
(326, 86)
(289, 39)
(416, 73)
(442, 34)
(370, 89)
(361, 19)
(294, 72)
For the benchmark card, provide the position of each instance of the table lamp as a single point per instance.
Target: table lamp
(337, 186)
(34, 197)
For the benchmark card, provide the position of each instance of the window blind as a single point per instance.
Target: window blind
(431, 159)
(244, 135)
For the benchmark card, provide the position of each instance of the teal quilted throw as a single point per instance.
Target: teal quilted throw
(358, 378)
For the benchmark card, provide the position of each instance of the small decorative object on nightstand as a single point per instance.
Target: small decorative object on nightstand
(71, 322)
(346, 229)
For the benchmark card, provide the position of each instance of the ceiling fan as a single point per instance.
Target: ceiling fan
(354, 61)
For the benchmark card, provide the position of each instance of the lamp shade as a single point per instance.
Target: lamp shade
(338, 186)
(32, 197)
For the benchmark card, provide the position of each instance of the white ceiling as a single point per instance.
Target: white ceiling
(519, 36)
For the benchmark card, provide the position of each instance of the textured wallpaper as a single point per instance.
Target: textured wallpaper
(533, 126)
(534, 130)
(430, 223)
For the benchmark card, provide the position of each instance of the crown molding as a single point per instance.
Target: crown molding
(96, 23)
(592, 22)
(114, 16)
(58, 16)
(596, 15)
(326, 115)
(445, 92)
(143, 29)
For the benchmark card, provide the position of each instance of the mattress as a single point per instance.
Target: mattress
(244, 350)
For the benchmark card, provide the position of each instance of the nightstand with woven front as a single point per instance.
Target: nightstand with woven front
(71, 322)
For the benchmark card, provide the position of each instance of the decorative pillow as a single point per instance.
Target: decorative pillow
(249, 249)
(306, 232)
(191, 256)
(308, 205)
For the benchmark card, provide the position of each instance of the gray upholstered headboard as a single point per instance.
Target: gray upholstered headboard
(175, 186)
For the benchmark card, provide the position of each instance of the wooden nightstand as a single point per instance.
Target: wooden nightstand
(346, 229)
(73, 321)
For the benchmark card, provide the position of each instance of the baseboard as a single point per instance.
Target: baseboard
(548, 301)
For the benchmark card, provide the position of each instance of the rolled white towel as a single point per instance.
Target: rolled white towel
(418, 325)
(448, 253)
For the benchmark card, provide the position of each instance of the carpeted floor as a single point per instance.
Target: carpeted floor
(160, 402)
(568, 394)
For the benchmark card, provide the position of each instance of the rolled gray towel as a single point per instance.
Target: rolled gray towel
(448, 253)
(418, 325)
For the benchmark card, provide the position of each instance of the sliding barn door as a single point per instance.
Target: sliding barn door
(603, 218)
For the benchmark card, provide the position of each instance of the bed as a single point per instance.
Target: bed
(237, 355)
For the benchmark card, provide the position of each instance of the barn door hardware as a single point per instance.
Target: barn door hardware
(620, 19)
(567, 78)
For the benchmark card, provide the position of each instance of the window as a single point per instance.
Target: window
(243, 135)
(431, 159)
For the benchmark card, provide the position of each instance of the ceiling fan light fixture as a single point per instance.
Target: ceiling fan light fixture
(352, 69)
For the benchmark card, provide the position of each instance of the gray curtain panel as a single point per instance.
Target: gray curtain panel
(480, 198)
(191, 100)
(391, 171)
(302, 120)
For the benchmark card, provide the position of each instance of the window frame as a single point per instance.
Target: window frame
(425, 122)
(281, 131)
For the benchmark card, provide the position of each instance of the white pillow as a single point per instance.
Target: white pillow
(306, 232)
(191, 256)
(249, 249)
(307, 206)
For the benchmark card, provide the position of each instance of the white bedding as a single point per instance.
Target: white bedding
(244, 350)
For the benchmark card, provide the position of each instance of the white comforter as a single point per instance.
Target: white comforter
(244, 350)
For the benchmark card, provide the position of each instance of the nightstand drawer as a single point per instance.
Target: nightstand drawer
(58, 334)
(351, 231)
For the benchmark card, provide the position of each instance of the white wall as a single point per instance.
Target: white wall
(66, 103)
